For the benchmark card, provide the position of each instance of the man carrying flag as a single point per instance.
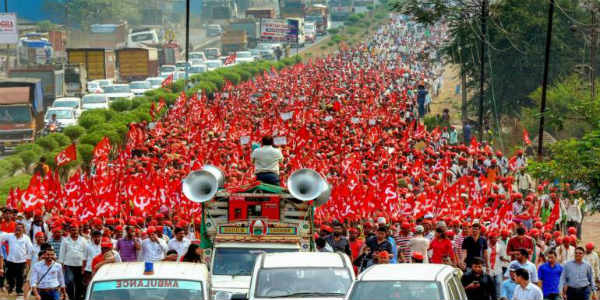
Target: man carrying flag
(168, 81)
(230, 59)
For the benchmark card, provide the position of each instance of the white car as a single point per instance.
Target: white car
(180, 65)
(65, 116)
(301, 275)
(155, 82)
(244, 56)
(178, 75)
(117, 91)
(94, 101)
(70, 102)
(94, 87)
(138, 88)
(167, 70)
(233, 263)
(269, 46)
(213, 64)
(408, 281)
(168, 280)
(310, 31)
(197, 69)
(198, 55)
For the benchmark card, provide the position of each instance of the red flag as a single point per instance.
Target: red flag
(167, 81)
(526, 137)
(230, 59)
(102, 149)
(555, 214)
(66, 156)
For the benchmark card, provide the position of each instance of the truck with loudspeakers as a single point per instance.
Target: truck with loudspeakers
(259, 218)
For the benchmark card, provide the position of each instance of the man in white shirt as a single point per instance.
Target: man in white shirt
(524, 289)
(47, 278)
(180, 243)
(496, 257)
(153, 248)
(266, 161)
(18, 258)
(72, 255)
(92, 249)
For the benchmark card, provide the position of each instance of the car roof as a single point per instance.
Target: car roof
(68, 99)
(162, 270)
(119, 84)
(99, 94)
(408, 272)
(139, 81)
(303, 259)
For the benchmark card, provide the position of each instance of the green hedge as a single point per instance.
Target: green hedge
(114, 122)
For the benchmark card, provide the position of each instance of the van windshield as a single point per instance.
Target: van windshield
(147, 289)
(142, 37)
(15, 114)
(397, 290)
(239, 261)
(93, 99)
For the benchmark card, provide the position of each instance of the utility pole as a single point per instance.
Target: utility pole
(545, 80)
(187, 42)
(482, 65)
(593, 51)
(7, 45)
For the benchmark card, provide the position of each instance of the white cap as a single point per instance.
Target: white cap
(381, 220)
(419, 228)
(428, 216)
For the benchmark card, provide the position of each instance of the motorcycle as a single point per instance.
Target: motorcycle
(52, 128)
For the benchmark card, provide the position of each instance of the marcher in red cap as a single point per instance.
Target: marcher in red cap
(106, 256)
(383, 257)
(565, 252)
(417, 257)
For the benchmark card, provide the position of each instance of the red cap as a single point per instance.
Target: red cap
(327, 228)
(566, 240)
(547, 236)
(572, 230)
(589, 246)
(119, 228)
(106, 245)
(539, 225)
(383, 254)
(417, 255)
(353, 230)
(39, 234)
(559, 240)
(505, 233)
(556, 234)
(151, 229)
(405, 225)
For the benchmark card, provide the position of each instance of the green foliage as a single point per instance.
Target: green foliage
(91, 138)
(45, 26)
(28, 157)
(232, 77)
(333, 31)
(121, 105)
(352, 30)
(570, 109)
(16, 163)
(432, 122)
(5, 168)
(47, 143)
(83, 13)
(61, 139)
(29, 146)
(74, 131)
(86, 152)
(92, 117)
(19, 181)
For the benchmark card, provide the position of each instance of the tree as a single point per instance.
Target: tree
(82, 13)
(571, 111)
(515, 41)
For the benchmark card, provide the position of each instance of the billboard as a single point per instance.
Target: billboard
(275, 30)
(293, 30)
(8, 28)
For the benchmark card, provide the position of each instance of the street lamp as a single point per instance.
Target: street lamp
(187, 43)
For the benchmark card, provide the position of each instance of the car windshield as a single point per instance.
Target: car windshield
(142, 37)
(140, 85)
(211, 51)
(213, 64)
(104, 83)
(93, 85)
(397, 290)
(15, 114)
(309, 27)
(197, 69)
(165, 69)
(93, 99)
(155, 81)
(180, 64)
(147, 289)
(117, 89)
(65, 104)
(197, 56)
(244, 54)
(239, 261)
(302, 282)
(60, 114)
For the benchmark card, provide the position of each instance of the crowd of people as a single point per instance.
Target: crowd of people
(400, 192)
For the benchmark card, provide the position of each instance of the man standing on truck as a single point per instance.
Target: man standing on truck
(266, 161)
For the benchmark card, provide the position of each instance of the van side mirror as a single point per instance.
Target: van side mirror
(239, 297)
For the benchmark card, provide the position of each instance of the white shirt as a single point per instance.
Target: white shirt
(72, 252)
(53, 279)
(180, 247)
(500, 253)
(90, 252)
(35, 250)
(20, 249)
(530, 292)
(266, 159)
(153, 251)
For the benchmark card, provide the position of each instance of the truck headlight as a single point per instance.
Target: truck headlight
(221, 295)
